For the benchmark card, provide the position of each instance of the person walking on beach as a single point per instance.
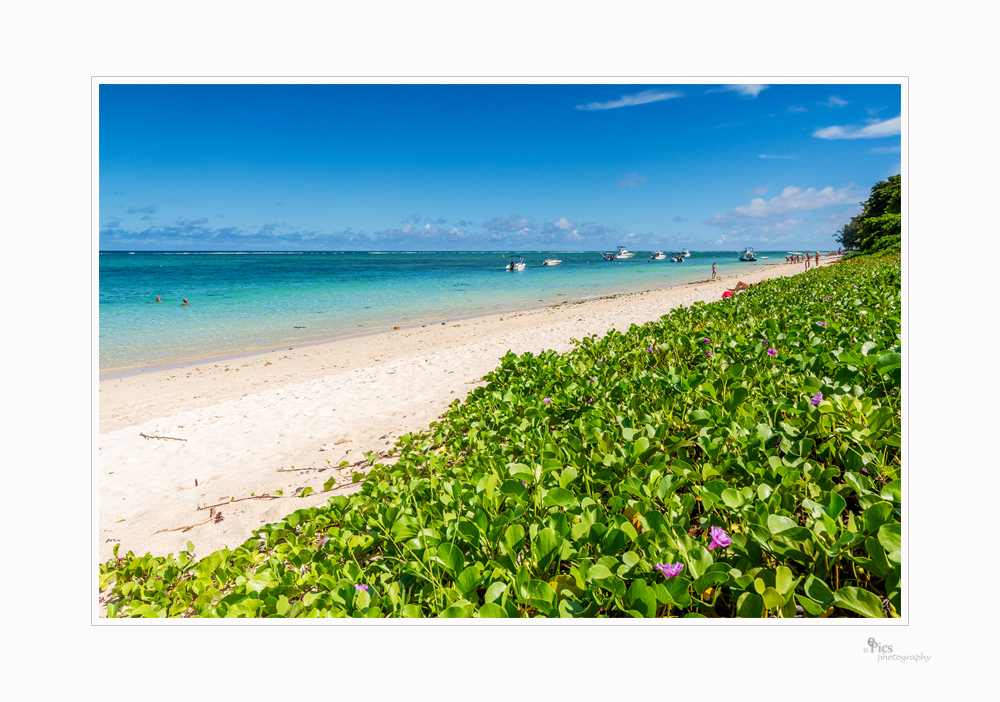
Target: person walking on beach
(185, 303)
(713, 270)
(817, 259)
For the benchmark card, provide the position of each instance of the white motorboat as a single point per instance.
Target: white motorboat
(551, 262)
(686, 254)
(677, 258)
(624, 253)
(658, 256)
(516, 263)
(748, 254)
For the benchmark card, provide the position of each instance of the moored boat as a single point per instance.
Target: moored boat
(551, 262)
(748, 254)
(624, 253)
(516, 263)
(658, 256)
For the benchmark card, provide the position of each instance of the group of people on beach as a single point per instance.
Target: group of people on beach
(803, 257)
(183, 304)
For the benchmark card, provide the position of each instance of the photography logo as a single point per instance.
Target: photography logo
(884, 652)
(875, 647)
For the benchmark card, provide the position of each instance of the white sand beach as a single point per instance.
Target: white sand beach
(236, 428)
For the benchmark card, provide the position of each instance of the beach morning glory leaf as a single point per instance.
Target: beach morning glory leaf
(669, 570)
(719, 537)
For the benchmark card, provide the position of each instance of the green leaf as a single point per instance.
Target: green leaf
(698, 560)
(859, 601)
(468, 579)
(732, 498)
(492, 611)
(777, 524)
(818, 591)
(306, 491)
(750, 605)
(598, 572)
(891, 538)
(547, 545)
(559, 497)
(772, 598)
(495, 591)
(450, 556)
(892, 491)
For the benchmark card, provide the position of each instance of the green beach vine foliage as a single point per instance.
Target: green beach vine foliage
(734, 459)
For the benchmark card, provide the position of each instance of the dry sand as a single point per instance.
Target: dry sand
(246, 422)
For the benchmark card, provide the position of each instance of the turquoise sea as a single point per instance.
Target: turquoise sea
(248, 301)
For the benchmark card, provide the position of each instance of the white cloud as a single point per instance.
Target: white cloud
(885, 150)
(632, 180)
(646, 96)
(895, 170)
(794, 199)
(746, 89)
(760, 190)
(797, 108)
(406, 228)
(835, 101)
(873, 130)
(564, 224)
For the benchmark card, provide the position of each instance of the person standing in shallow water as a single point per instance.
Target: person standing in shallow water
(185, 303)
(157, 299)
(713, 270)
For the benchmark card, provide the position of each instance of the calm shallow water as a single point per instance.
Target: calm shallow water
(251, 301)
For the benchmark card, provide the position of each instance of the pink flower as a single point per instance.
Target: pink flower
(669, 570)
(772, 353)
(360, 586)
(719, 537)
(706, 340)
(547, 400)
(708, 354)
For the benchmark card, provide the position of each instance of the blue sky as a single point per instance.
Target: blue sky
(489, 167)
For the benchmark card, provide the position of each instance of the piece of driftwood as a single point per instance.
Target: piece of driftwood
(152, 436)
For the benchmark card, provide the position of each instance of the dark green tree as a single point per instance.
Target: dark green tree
(879, 226)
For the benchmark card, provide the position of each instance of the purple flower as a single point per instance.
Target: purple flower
(593, 380)
(706, 340)
(650, 349)
(547, 401)
(772, 353)
(822, 324)
(707, 354)
(524, 483)
(670, 570)
(719, 537)
(836, 315)
(360, 586)
(816, 399)
(600, 363)
(323, 541)
(590, 401)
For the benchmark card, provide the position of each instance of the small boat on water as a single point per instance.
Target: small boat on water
(608, 256)
(677, 258)
(551, 262)
(516, 263)
(748, 254)
(658, 256)
(686, 254)
(624, 253)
